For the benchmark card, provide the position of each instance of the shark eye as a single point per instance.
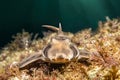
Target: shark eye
(61, 38)
(75, 50)
(45, 51)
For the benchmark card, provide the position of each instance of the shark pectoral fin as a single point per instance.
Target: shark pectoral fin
(84, 55)
(32, 58)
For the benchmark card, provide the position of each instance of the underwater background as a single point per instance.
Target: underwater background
(74, 15)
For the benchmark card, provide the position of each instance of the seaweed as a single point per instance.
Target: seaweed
(103, 64)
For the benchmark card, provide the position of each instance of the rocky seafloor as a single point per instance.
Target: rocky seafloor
(103, 64)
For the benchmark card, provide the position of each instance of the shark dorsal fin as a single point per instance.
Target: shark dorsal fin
(59, 30)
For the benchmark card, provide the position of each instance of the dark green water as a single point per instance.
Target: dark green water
(73, 14)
